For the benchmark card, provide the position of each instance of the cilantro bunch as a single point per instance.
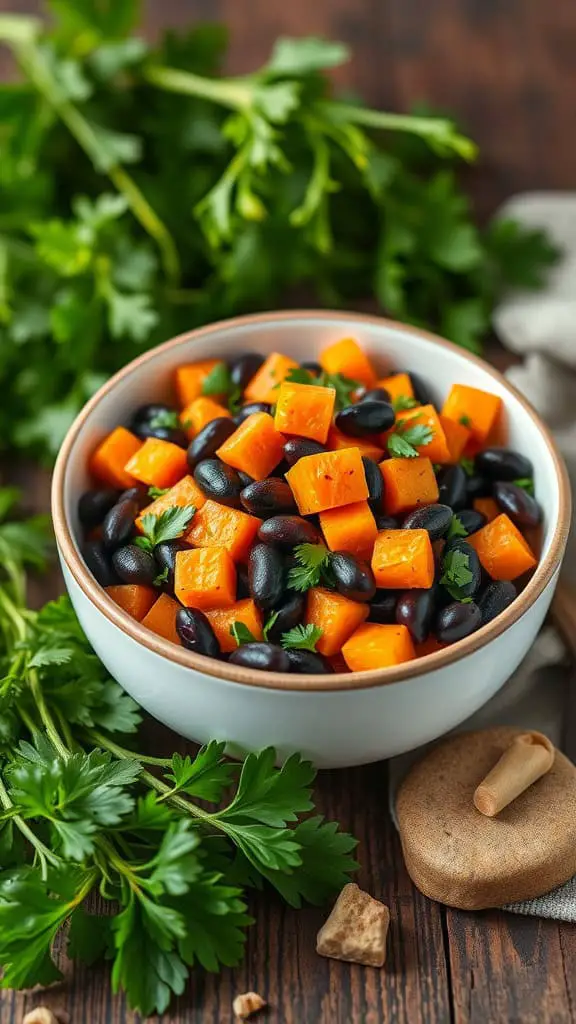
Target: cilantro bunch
(142, 195)
(171, 845)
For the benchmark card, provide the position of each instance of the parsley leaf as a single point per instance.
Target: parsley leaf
(456, 573)
(456, 529)
(407, 437)
(161, 578)
(169, 525)
(157, 492)
(165, 418)
(404, 402)
(269, 624)
(313, 559)
(343, 386)
(465, 420)
(527, 484)
(219, 382)
(241, 634)
(467, 465)
(301, 638)
(205, 776)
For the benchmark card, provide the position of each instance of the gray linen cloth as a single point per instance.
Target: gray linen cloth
(542, 328)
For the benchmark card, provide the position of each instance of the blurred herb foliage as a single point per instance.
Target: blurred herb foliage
(142, 194)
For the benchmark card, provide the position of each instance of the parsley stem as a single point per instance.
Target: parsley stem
(228, 92)
(45, 855)
(47, 720)
(121, 752)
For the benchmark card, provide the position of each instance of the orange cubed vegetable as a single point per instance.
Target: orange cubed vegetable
(398, 385)
(350, 528)
(502, 550)
(264, 384)
(346, 357)
(430, 646)
(217, 525)
(190, 378)
(457, 437)
(201, 411)
(158, 463)
(426, 416)
(109, 460)
(368, 446)
(304, 410)
(161, 618)
(328, 480)
(185, 492)
(134, 598)
(403, 559)
(255, 447)
(337, 616)
(488, 508)
(480, 411)
(408, 483)
(221, 619)
(374, 646)
(205, 578)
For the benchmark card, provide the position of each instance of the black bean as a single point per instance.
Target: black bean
(218, 481)
(287, 531)
(134, 565)
(299, 447)
(435, 519)
(366, 417)
(245, 478)
(98, 561)
(387, 523)
(521, 507)
(471, 520)
(477, 486)
(139, 494)
(145, 413)
(374, 482)
(309, 663)
(415, 610)
(270, 497)
(119, 523)
(173, 434)
(452, 487)
(281, 469)
(383, 607)
(93, 506)
(242, 585)
(266, 576)
(246, 410)
(376, 395)
(262, 656)
(457, 621)
(165, 556)
(208, 440)
(353, 577)
(459, 544)
(421, 390)
(503, 464)
(289, 614)
(495, 598)
(312, 367)
(196, 633)
(243, 368)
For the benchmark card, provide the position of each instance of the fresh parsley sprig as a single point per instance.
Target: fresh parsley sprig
(169, 525)
(407, 437)
(241, 634)
(402, 402)
(220, 384)
(456, 528)
(313, 562)
(526, 483)
(456, 574)
(301, 638)
(343, 386)
(165, 418)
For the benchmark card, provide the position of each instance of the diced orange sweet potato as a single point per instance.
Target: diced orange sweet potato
(502, 549)
(328, 480)
(337, 616)
(430, 646)
(264, 384)
(255, 447)
(158, 463)
(398, 385)
(488, 508)
(217, 525)
(373, 646)
(304, 410)
(199, 412)
(350, 528)
(457, 437)
(403, 559)
(108, 462)
(134, 598)
(346, 357)
(408, 483)
(161, 618)
(205, 578)
(190, 378)
(221, 619)
(185, 492)
(479, 409)
(425, 416)
(368, 446)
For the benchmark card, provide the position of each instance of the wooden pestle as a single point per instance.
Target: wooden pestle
(525, 761)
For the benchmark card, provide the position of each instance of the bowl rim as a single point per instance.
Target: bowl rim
(97, 595)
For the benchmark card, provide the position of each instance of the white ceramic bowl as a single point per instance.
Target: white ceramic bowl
(336, 720)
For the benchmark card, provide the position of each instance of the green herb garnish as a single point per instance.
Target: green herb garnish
(169, 525)
(161, 578)
(468, 466)
(313, 559)
(456, 529)
(407, 437)
(465, 420)
(272, 619)
(526, 483)
(456, 573)
(219, 382)
(301, 638)
(241, 634)
(343, 386)
(157, 492)
(165, 418)
(404, 402)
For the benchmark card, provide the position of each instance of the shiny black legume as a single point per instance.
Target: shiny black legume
(497, 595)
(287, 531)
(134, 565)
(457, 621)
(261, 656)
(435, 519)
(521, 507)
(299, 447)
(93, 506)
(415, 610)
(366, 417)
(270, 497)
(452, 487)
(383, 607)
(246, 410)
(98, 561)
(503, 464)
(353, 577)
(208, 440)
(308, 663)
(196, 633)
(118, 523)
(374, 482)
(243, 368)
(266, 576)
(218, 481)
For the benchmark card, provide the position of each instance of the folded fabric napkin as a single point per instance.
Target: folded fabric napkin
(541, 327)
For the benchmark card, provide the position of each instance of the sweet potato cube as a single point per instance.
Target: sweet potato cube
(488, 507)
(368, 446)
(304, 410)
(425, 416)
(221, 620)
(403, 559)
(408, 483)
(185, 492)
(201, 411)
(398, 385)
(502, 550)
(217, 525)
(337, 616)
(264, 384)
(255, 447)
(134, 598)
(189, 379)
(480, 410)
(161, 618)
(205, 578)
(457, 437)
(350, 528)
(158, 463)
(374, 646)
(346, 357)
(109, 460)
(328, 480)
